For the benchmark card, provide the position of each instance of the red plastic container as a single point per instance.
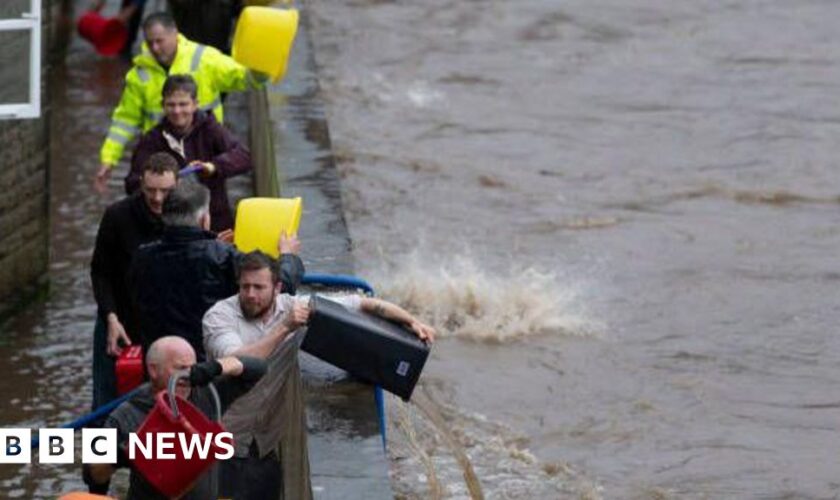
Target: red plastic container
(174, 477)
(108, 36)
(129, 369)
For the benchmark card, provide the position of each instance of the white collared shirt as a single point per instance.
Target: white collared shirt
(226, 329)
(261, 414)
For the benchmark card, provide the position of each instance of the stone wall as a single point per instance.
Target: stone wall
(24, 161)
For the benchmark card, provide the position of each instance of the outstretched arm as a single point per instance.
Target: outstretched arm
(233, 376)
(126, 123)
(395, 313)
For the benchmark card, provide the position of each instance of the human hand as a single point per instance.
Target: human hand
(231, 366)
(422, 330)
(259, 76)
(116, 332)
(298, 317)
(207, 168)
(225, 236)
(288, 244)
(100, 180)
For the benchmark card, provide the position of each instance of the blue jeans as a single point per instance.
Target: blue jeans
(104, 379)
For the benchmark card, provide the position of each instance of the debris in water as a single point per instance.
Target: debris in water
(490, 181)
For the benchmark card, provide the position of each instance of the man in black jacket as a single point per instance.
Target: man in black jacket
(174, 281)
(126, 225)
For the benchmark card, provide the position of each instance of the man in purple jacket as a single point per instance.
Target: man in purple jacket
(194, 138)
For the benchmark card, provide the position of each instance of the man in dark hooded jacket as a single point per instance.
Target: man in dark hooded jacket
(125, 225)
(194, 138)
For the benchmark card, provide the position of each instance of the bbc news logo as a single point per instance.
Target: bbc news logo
(99, 446)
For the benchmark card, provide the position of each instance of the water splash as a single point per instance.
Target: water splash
(463, 300)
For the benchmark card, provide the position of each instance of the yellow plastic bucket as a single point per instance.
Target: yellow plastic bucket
(263, 39)
(259, 222)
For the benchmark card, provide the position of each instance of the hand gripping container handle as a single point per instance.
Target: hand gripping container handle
(175, 477)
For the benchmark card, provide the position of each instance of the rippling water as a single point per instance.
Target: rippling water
(621, 214)
(667, 169)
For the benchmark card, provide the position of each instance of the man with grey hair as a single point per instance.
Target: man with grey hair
(175, 280)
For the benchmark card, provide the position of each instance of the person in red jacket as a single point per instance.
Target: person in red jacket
(196, 139)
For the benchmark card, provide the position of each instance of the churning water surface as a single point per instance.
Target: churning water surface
(622, 216)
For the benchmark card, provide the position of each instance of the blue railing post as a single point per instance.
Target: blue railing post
(346, 281)
(90, 417)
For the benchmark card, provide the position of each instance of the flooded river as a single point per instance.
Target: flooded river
(620, 215)
(623, 215)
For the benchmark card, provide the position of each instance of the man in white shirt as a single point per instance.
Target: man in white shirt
(261, 321)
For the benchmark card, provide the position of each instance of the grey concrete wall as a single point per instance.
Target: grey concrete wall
(24, 161)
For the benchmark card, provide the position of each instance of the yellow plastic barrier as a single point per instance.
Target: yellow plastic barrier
(259, 222)
(263, 39)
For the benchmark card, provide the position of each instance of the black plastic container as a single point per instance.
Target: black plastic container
(369, 348)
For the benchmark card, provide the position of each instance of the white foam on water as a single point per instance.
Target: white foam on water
(461, 299)
(422, 95)
(377, 87)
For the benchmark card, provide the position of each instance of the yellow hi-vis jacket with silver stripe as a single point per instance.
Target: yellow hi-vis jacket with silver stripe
(141, 106)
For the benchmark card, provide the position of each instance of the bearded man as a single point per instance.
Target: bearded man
(269, 424)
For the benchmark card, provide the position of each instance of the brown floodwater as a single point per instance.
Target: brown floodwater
(622, 217)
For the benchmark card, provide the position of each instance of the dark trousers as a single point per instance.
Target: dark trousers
(206, 21)
(104, 379)
(251, 477)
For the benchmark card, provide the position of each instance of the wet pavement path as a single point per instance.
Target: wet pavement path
(46, 379)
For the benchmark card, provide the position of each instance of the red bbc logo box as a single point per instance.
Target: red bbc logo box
(129, 369)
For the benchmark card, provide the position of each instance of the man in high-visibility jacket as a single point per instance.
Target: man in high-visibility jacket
(167, 52)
